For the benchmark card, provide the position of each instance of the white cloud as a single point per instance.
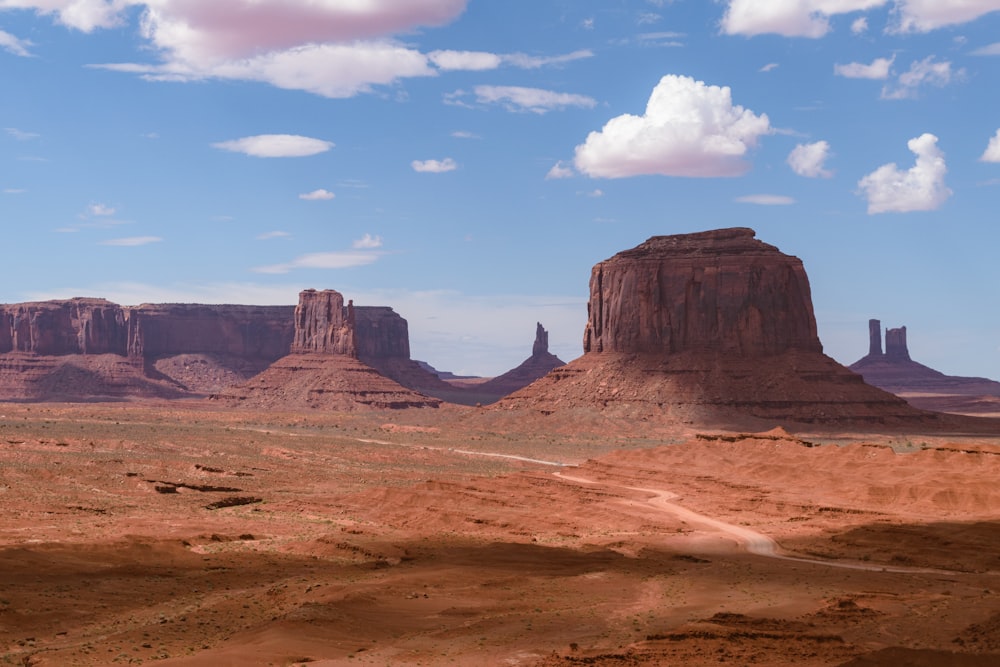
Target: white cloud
(991, 50)
(689, 129)
(808, 159)
(83, 15)
(101, 210)
(132, 241)
(330, 48)
(276, 145)
(267, 236)
(661, 39)
(321, 260)
(317, 195)
(769, 67)
(464, 134)
(766, 200)
(11, 44)
(594, 194)
(21, 135)
(559, 170)
(471, 61)
(648, 18)
(924, 72)
(992, 152)
(791, 18)
(920, 188)
(525, 61)
(879, 69)
(927, 15)
(434, 166)
(367, 242)
(477, 61)
(14, 191)
(859, 26)
(537, 100)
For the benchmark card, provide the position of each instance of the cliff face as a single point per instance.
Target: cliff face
(74, 326)
(80, 348)
(323, 325)
(96, 326)
(714, 327)
(721, 291)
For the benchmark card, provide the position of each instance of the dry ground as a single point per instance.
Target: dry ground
(181, 535)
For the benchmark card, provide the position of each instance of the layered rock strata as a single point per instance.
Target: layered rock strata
(708, 327)
(86, 348)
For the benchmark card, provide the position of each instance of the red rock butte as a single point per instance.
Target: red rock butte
(706, 327)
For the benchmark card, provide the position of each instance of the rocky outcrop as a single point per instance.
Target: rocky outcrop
(720, 291)
(534, 367)
(714, 327)
(922, 386)
(342, 358)
(73, 326)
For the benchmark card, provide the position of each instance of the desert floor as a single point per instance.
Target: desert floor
(183, 535)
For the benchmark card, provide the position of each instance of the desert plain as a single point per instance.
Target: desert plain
(185, 533)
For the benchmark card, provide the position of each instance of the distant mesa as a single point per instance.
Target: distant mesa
(84, 348)
(707, 327)
(923, 387)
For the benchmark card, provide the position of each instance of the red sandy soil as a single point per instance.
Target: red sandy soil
(182, 535)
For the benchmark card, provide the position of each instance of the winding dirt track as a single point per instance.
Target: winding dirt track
(749, 540)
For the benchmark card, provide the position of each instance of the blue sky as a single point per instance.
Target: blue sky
(468, 161)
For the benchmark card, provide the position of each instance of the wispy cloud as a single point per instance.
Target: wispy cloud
(770, 67)
(321, 260)
(926, 72)
(21, 135)
(464, 134)
(478, 61)
(100, 210)
(276, 145)
(535, 100)
(267, 236)
(317, 195)
(434, 166)
(766, 200)
(11, 44)
(990, 50)
(132, 241)
(878, 69)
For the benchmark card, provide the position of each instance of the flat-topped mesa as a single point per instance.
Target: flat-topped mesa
(323, 324)
(719, 291)
(71, 326)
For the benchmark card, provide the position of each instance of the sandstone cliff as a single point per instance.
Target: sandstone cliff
(342, 357)
(721, 291)
(708, 328)
(86, 348)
